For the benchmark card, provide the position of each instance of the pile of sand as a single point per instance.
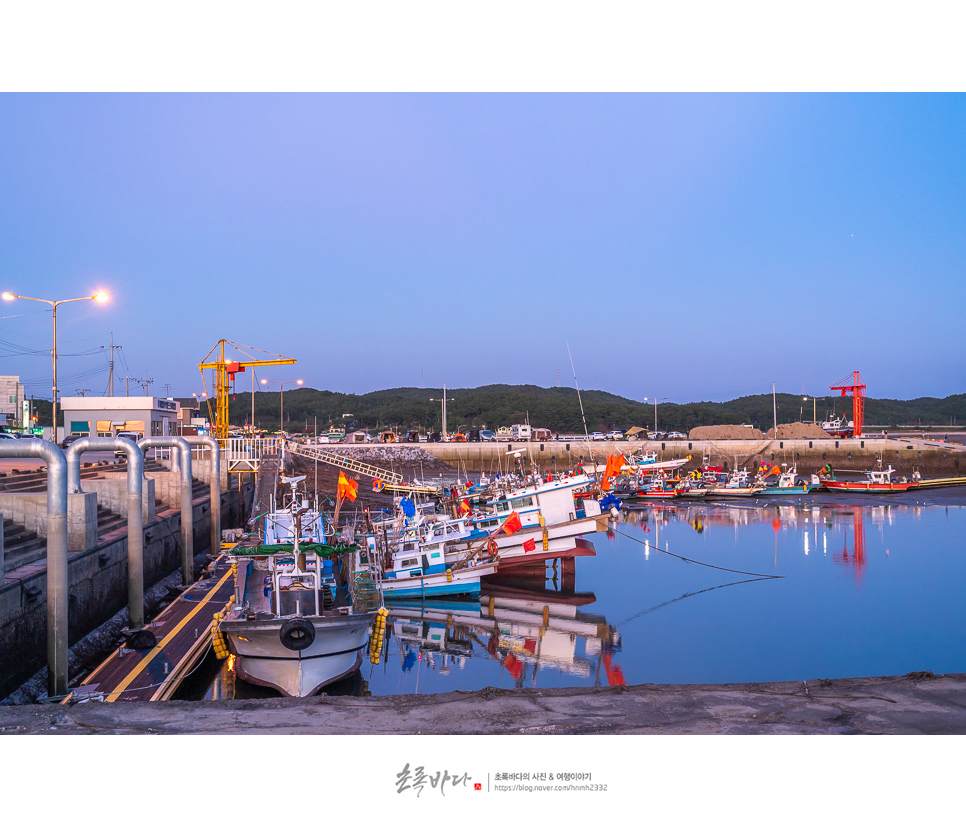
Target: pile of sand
(798, 431)
(724, 433)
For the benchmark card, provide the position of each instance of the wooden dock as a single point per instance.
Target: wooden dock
(183, 632)
(929, 483)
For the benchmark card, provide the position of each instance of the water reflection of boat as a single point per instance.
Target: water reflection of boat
(523, 629)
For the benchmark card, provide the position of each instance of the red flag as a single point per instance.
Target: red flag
(512, 524)
(528, 546)
(464, 508)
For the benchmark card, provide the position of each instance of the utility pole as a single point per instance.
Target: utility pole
(127, 384)
(167, 389)
(146, 382)
(110, 378)
(82, 391)
(774, 405)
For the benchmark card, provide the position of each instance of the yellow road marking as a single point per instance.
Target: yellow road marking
(119, 689)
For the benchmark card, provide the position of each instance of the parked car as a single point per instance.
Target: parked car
(486, 436)
(5, 435)
(615, 435)
(70, 439)
(656, 435)
(598, 435)
(133, 436)
(676, 435)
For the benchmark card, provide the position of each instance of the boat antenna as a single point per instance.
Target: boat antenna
(579, 400)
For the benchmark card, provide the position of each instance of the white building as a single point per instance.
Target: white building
(12, 402)
(106, 416)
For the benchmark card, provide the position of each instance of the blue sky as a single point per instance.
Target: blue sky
(687, 246)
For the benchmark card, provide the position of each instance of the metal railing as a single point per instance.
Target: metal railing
(242, 454)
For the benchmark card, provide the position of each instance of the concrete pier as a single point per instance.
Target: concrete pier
(919, 703)
(930, 458)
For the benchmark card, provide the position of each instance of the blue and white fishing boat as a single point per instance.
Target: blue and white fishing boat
(412, 564)
(789, 483)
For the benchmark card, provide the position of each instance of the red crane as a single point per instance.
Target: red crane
(854, 384)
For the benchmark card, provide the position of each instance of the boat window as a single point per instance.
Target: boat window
(452, 528)
(408, 563)
(526, 501)
(488, 523)
(502, 507)
(409, 546)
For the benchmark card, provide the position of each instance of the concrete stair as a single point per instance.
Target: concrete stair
(20, 546)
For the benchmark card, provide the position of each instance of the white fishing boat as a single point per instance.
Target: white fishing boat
(738, 485)
(302, 608)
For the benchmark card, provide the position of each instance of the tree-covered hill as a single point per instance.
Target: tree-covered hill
(558, 409)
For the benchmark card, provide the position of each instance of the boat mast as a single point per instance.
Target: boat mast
(580, 401)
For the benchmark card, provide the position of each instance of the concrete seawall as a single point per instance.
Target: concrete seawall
(97, 583)
(930, 459)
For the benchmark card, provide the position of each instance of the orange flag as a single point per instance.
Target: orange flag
(347, 487)
(512, 524)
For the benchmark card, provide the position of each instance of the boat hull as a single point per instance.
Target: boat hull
(464, 581)
(740, 492)
(792, 490)
(260, 657)
(559, 537)
(849, 486)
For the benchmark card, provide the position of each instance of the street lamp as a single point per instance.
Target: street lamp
(656, 401)
(281, 399)
(99, 296)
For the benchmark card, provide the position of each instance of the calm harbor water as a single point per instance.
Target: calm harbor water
(865, 587)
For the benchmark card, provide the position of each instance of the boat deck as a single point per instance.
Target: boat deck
(183, 632)
(260, 602)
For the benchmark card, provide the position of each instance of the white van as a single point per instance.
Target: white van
(520, 431)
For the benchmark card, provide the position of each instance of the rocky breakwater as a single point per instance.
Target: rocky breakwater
(409, 460)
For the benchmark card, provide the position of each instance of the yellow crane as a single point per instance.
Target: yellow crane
(225, 370)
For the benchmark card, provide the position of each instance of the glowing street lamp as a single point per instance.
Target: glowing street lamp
(281, 399)
(99, 297)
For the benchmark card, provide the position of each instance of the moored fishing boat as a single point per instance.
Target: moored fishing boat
(413, 563)
(738, 485)
(789, 483)
(302, 609)
(876, 481)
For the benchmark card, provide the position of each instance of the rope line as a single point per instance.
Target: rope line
(695, 562)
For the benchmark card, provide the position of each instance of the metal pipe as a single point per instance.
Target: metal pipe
(187, 528)
(135, 520)
(57, 589)
(215, 489)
